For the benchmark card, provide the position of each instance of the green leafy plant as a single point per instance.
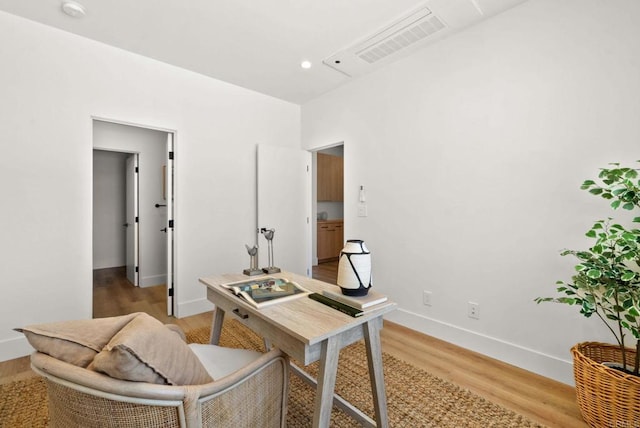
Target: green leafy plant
(607, 279)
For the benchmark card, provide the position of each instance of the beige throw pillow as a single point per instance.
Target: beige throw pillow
(75, 342)
(145, 350)
(177, 330)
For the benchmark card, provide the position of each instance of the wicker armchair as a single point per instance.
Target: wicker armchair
(253, 396)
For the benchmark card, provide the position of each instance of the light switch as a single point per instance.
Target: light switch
(362, 210)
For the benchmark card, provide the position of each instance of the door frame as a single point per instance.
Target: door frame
(134, 205)
(169, 183)
(314, 197)
(171, 204)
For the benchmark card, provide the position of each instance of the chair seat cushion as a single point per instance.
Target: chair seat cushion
(220, 362)
(146, 350)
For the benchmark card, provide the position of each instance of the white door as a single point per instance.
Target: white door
(132, 219)
(284, 204)
(170, 222)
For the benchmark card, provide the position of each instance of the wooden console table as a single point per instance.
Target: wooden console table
(309, 331)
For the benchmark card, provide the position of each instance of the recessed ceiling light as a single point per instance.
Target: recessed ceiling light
(305, 64)
(73, 9)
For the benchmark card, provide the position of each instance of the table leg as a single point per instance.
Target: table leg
(216, 326)
(376, 374)
(326, 382)
(338, 401)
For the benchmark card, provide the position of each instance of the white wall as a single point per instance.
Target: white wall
(151, 146)
(472, 152)
(109, 209)
(51, 84)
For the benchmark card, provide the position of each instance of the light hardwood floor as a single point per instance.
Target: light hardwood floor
(543, 400)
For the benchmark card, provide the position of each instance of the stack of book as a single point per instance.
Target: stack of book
(351, 305)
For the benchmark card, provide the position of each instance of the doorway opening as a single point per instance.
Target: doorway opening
(133, 217)
(328, 203)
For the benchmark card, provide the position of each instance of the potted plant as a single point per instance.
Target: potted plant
(607, 285)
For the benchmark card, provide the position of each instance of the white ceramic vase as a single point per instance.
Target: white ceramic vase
(354, 268)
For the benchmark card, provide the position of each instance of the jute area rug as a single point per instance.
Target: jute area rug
(415, 398)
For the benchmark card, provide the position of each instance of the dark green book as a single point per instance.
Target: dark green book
(349, 310)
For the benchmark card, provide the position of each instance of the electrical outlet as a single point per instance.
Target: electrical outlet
(426, 298)
(473, 310)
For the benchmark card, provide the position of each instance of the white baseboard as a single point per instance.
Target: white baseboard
(528, 359)
(193, 307)
(14, 348)
(150, 281)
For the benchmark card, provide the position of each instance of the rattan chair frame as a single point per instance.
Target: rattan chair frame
(263, 383)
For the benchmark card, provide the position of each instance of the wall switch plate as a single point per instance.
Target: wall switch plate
(426, 298)
(473, 310)
(362, 210)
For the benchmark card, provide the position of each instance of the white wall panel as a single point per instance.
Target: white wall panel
(472, 152)
(51, 84)
(108, 209)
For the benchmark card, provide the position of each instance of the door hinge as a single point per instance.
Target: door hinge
(137, 268)
(171, 224)
(137, 170)
(171, 155)
(307, 168)
(137, 220)
(171, 292)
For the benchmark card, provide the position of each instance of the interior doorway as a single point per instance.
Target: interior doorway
(133, 206)
(328, 204)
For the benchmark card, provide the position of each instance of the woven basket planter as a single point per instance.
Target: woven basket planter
(607, 397)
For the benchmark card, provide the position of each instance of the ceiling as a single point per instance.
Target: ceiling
(256, 44)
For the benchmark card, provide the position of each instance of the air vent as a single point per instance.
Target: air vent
(401, 39)
(403, 36)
